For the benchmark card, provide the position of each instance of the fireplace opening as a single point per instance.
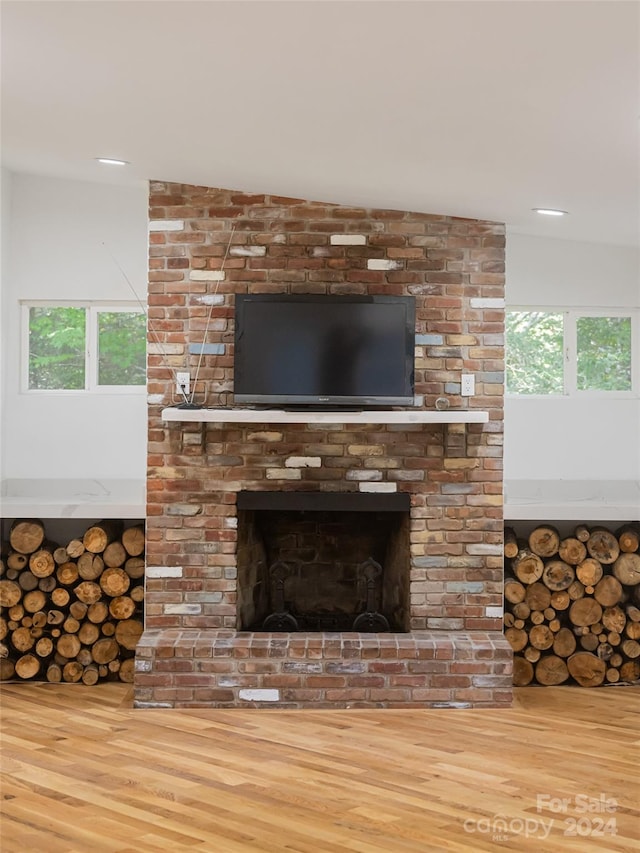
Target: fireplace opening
(318, 569)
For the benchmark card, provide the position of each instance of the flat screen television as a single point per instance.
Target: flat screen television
(324, 351)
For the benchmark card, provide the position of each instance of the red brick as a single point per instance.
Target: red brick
(463, 260)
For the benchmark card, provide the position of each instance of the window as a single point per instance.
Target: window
(535, 352)
(604, 353)
(122, 348)
(57, 347)
(90, 347)
(554, 352)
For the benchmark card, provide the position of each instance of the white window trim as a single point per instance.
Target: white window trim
(93, 309)
(570, 316)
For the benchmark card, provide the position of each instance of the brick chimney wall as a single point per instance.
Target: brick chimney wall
(455, 270)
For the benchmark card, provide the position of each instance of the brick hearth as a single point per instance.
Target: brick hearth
(453, 651)
(227, 669)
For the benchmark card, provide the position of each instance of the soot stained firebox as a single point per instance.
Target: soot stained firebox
(323, 561)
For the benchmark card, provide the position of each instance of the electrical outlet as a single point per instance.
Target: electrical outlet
(468, 385)
(183, 382)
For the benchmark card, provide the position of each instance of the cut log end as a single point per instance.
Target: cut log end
(544, 540)
(587, 669)
(27, 535)
(551, 670)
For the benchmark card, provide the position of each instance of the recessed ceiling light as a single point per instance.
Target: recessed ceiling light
(549, 211)
(110, 161)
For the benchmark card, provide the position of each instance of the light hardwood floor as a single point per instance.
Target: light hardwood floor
(84, 772)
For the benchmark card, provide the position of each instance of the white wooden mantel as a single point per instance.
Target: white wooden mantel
(280, 416)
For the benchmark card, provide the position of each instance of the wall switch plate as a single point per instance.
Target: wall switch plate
(183, 382)
(468, 385)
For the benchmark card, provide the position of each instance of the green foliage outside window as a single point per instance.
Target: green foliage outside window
(534, 352)
(57, 348)
(121, 348)
(604, 353)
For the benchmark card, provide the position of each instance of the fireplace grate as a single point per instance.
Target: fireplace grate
(280, 619)
(371, 620)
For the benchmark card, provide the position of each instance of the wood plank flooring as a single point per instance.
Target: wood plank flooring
(84, 772)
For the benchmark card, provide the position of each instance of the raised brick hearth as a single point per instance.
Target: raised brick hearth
(208, 573)
(341, 670)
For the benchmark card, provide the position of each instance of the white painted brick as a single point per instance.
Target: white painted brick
(155, 399)
(348, 240)
(166, 225)
(248, 251)
(492, 340)
(207, 275)
(357, 474)
(182, 609)
(208, 299)
(485, 550)
(378, 487)
(142, 665)
(163, 571)
(303, 462)
(231, 522)
(382, 264)
(479, 302)
(165, 349)
(284, 474)
(494, 612)
(259, 695)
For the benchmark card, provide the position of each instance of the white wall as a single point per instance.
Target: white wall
(56, 230)
(571, 438)
(5, 196)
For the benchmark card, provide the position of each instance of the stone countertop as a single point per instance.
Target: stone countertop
(572, 500)
(67, 498)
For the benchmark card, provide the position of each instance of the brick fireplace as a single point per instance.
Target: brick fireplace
(322, 564)
(323, 561)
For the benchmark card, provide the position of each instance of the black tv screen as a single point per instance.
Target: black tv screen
(324, 350)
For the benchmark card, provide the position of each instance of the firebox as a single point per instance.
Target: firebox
(323, 561)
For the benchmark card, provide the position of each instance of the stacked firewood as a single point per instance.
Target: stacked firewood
(572, 606)
(75, 612)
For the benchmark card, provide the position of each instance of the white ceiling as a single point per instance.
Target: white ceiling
(470, 108)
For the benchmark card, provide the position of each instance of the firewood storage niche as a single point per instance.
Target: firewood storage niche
(74, 611)
(323, 561)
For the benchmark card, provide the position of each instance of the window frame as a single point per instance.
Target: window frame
(92, 310)
(570, 317)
